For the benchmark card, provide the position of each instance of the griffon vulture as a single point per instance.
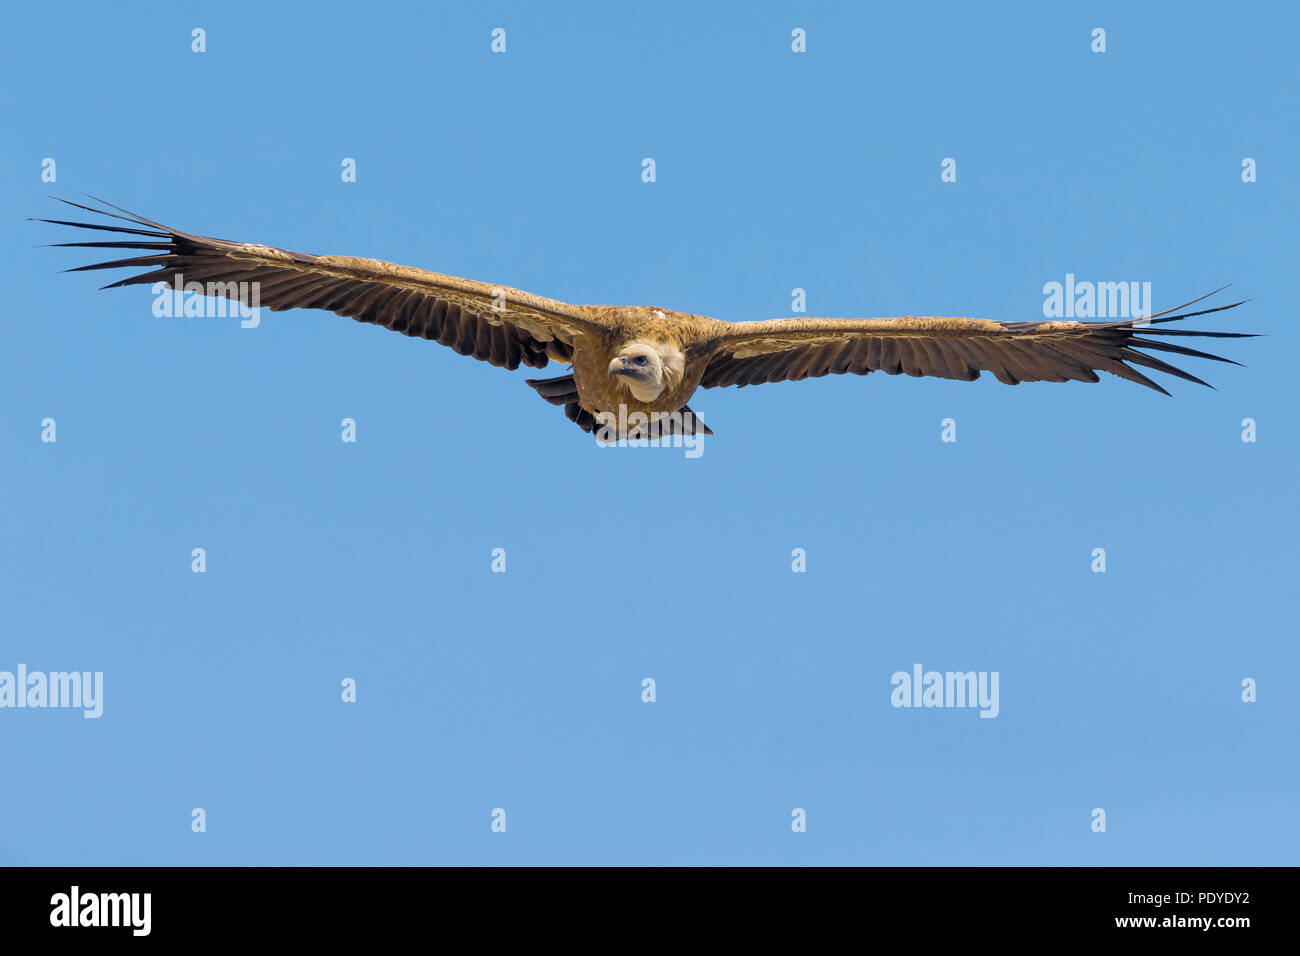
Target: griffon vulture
(633, 359)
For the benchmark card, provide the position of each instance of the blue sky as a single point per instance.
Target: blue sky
(775, 170)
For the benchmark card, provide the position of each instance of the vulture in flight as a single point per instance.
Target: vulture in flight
(634, 368)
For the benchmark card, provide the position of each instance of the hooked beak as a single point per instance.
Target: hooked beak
(620, 366)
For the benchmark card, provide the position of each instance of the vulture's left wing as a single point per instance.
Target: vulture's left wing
(495, 324)
(750, 353)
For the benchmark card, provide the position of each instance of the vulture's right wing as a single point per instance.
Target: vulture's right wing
(495, 324)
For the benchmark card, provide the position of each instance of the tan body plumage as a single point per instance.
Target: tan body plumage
(633, 359)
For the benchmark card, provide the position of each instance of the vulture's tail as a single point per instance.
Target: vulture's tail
(564, 391)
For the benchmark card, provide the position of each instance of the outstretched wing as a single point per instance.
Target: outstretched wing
(495, 324)
(751, 353)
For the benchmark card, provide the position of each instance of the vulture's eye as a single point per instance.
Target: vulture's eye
(640, 360)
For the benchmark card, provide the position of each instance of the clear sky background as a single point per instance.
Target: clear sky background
(522, 690)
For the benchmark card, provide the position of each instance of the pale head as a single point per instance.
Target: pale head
(648, 370)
